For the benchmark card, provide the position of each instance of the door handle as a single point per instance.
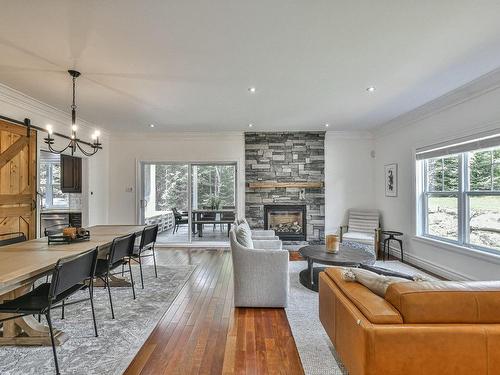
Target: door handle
(144, 203)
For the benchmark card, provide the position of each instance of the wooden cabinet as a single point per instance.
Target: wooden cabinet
(71, 174)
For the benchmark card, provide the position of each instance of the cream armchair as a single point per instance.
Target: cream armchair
(362, 226)
(260, 274)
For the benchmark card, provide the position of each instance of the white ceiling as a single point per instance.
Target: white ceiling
(187, 64)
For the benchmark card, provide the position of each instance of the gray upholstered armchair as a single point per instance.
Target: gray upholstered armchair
(363, 226)
(261, 274)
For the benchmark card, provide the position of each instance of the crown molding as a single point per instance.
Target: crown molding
(179, 136)
(480, 86)
(355, 134)
(25, 102)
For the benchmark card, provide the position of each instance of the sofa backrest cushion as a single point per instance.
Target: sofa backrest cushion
(446, 301)
(364, 221)
(374, 308)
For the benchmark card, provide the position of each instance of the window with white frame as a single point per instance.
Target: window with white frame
(459, 194)
(49, 183)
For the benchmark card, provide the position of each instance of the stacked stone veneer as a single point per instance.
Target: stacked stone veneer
(286, 157)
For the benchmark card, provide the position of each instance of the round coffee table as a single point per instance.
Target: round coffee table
(346, 256)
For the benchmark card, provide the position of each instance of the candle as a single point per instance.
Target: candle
(332, 243)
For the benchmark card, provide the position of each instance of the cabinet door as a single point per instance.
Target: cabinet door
(71, 174)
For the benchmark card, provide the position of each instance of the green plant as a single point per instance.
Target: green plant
(213, 202)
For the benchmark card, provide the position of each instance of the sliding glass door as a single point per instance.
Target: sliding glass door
(165, 200)
(190, 202)
(213, 200)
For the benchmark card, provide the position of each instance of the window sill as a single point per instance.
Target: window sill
(471, 252)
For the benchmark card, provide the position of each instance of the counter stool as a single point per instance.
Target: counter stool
(391, 235)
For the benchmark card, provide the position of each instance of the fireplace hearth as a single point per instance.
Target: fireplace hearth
(288, 221)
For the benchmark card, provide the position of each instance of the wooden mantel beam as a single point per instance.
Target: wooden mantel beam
(276, 185)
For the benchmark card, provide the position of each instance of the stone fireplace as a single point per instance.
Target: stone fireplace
(286, 170)
(288, 221)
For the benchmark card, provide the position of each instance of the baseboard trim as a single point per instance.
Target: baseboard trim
(414, 260)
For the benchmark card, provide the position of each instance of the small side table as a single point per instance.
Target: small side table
(391, 236)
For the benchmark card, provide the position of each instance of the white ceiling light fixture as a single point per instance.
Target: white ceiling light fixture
(370, 88)
(151, 125)
(327, 125)
(250, 125)
(252, 90)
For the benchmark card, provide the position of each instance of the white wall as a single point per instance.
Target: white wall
(349, 175)
(18, 106)
(127, 151)
(466, 111)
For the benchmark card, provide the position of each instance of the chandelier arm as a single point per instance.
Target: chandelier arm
(86, 153)
(54, 151)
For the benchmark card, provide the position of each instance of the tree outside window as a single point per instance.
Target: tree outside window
(462, 198)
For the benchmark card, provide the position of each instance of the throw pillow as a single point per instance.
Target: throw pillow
(244, 222)
(378, 284)
(387, 272)
(244, 236)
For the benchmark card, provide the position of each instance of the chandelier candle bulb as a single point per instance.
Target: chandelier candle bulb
(332, 243)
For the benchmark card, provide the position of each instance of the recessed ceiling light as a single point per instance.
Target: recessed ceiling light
(151, 125)
(250, 125)
(327, 125)
(252, 90)
(370, 89)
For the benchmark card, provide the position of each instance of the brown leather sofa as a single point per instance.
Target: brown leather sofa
(422, 328)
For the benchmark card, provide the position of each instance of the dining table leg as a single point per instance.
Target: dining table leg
(26, 330)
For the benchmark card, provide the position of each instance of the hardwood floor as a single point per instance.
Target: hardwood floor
(202, 333)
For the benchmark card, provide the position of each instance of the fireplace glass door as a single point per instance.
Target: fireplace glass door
(287, 221)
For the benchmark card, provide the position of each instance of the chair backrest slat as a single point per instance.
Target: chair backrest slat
(121, 247)
(71, 271)
(177, 214)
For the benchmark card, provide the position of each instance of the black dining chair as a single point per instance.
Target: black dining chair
(209, 216)
(69, 276)
(179, 219)
(11, 238)
(228, 216)
(120, 253)
(146, 248)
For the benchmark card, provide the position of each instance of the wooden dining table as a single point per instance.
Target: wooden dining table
(23, 263)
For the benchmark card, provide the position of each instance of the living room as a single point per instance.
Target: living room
(293, 188)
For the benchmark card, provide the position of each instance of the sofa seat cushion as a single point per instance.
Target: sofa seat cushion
(374, 308)
(446, 301)
(359, 236)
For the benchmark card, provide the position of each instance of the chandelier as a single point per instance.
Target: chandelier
(74, 142)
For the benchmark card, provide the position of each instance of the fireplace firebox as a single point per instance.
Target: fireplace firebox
(288, 221)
